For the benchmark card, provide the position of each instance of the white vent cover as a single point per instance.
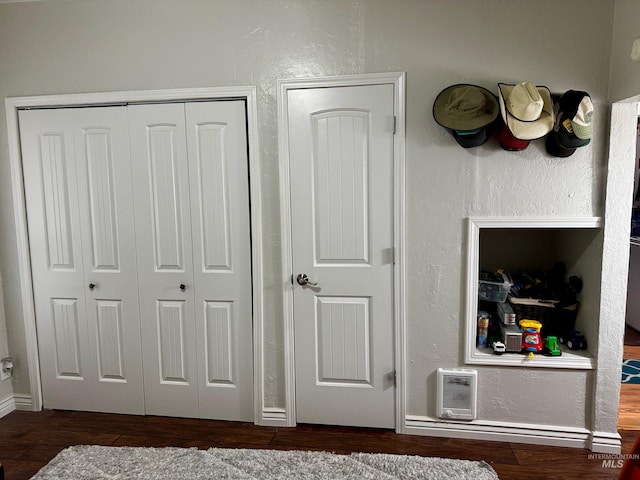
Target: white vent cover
(457, 394)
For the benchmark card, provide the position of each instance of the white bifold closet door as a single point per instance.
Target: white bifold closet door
(139, 233)
(77, 178)
(194, 258)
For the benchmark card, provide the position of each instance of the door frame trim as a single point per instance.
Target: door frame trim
(398, 80)
(14, 104)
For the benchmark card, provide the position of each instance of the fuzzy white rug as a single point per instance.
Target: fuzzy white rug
(86, 462)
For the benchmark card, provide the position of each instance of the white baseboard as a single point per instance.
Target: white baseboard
(274, 417)
(7, 406)
(513, 432)
(604, 442)
(23, 402)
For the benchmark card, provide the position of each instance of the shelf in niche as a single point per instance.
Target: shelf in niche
(578, 237)
(573, 359)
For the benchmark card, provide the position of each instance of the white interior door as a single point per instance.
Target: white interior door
(78, 193)
(341, 170)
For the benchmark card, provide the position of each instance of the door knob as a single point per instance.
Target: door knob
(92, 286)
(303, 280)
(183, 287)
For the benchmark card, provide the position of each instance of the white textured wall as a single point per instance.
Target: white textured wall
(625, 73)
(72, 46)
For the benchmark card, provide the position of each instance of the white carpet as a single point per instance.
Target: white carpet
(86, 462)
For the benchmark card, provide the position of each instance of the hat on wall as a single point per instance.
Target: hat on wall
(572, 127)
(527, 110)
(468, 111)
(509, 142)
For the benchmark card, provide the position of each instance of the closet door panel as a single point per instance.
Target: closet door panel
(108, 242)
(77, 186)
(211, 200)
(164, 143)
(97, 146)
(165, 273)
(217, 143)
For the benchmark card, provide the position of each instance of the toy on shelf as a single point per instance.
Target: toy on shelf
(531, 341)
(551, 347)
(498, 347)
(483, 329)
(574, 340)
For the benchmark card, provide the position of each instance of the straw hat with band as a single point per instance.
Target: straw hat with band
(467, 110)
(527, 110)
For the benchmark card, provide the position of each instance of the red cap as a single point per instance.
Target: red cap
(509, 142)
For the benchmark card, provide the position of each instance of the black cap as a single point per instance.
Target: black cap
(555, 146)
(565, 110)
(474, 138)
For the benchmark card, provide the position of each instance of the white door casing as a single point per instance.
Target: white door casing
(78, 193)
(342, 167)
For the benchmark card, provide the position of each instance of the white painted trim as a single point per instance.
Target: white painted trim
(7, 406)
(274, 417)
(287, 260)
(537, 222)
(568, 360)
(398, 80)
(556, 436)
(24, 260)
(256, 254)
(13, 104)
(24, 403)
(604, 442)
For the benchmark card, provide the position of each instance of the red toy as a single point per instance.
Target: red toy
(531, 341)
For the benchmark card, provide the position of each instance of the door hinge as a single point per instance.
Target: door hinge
(395, 123)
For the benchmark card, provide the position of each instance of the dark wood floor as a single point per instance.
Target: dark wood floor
(28, 440)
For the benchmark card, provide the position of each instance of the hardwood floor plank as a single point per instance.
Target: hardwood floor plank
(66, 437)
(20, 469)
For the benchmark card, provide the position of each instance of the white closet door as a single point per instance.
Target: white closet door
(78, 194)
(165, 270)
(217, 150)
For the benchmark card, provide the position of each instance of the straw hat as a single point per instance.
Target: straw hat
(527, 110)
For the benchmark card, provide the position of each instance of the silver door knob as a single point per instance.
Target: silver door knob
(303, 280)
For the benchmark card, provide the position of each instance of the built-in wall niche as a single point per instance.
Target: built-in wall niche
(534, 244)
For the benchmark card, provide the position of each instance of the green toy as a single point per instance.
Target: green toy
(551, 347)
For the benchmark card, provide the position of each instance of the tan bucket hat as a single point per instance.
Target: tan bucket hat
(465, 107)
(527, 110)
